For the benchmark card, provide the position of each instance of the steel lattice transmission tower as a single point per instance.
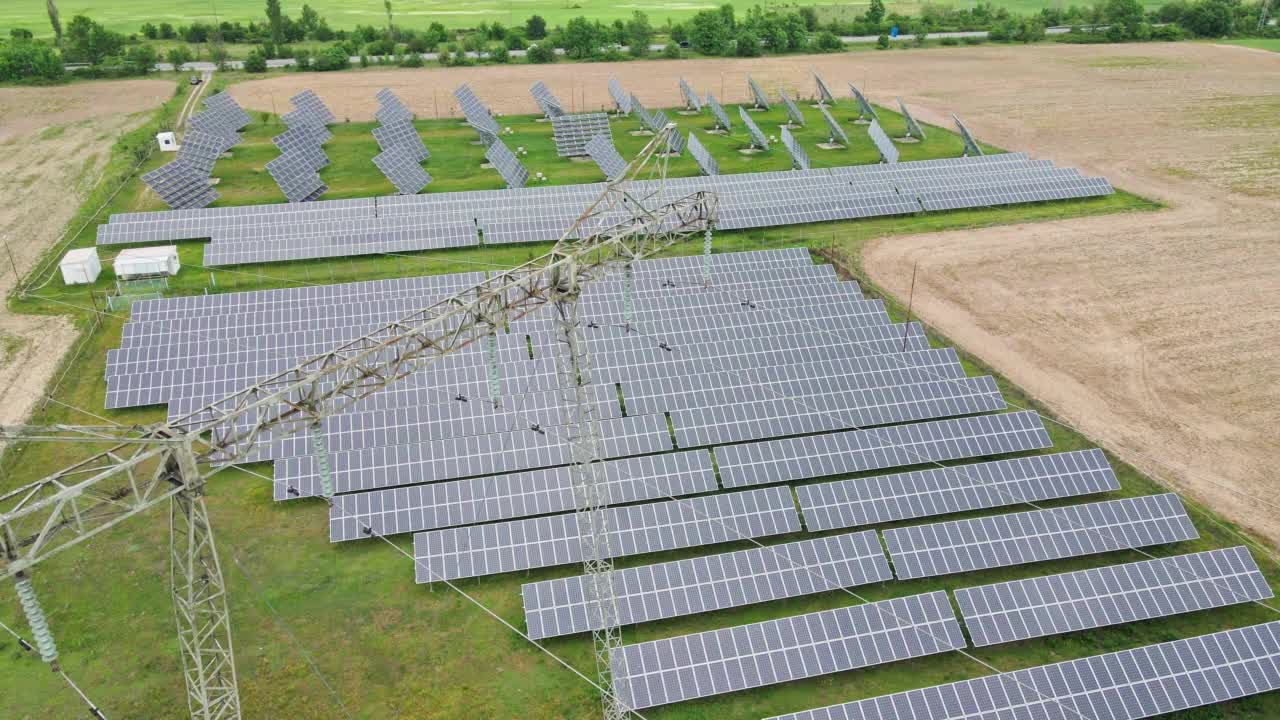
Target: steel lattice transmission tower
(172, 462)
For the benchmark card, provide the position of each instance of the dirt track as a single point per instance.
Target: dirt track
(54, 144)
(1154, 333)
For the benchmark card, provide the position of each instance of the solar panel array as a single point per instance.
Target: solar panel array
(971, 147)
(640, 113)
(824, 94)
(757, 95)
(837, 132)
(478, 550)
(601, 150)
(707, 583)
(475, 111)
(655, 121)
(427, 221)
(296, 170)
(790, 648)
(865, 110)
(706, 163)
(959, 488)
(799, 158)
(296, 175)
(180, 184)
(184, 182)
(402, 148)
(1111, 595)
(758, 140)
(504, 161)
(691, 99)
(1131, 684)
(547, 101)
(888, 151)
(306, 141)
(722, 119)
(794, 116)
(913, 128)
(573, 132)
(1037, 535)
(309, 109)
(621, 99)
(675, 142)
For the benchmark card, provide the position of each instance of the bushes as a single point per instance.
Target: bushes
(828, 42)
(500, 54)
(256, 62)
(334, 57)
(747, 44)
(882, 42)
(541, 54)
(28, 61)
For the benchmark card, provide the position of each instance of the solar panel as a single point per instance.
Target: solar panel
(691, 99)
(401, 134)
(799, 159)
(487, 137)
(970, 145)
(606, 156)
(888, 152)
(722, 120)
(794, 116)
(865, 110)
(180, 184)
(547, 101)
(295, 173)
(638, 112)
(706, 163)
(309, 109)
(862, 450)
(1037, 535)
(621, 99)
(475, 111)
(824, 95)
(656, 120)
(478, 550)
(505, 162)
(400, 165)
(1111, 595)
(761, 100)
(572, 132)
(790, 648)
(938, 491)
(837, 132)
(913, 128)
(1131, 684)
(711, 582)
(758, 139)
(391, 109)
(227, 109)
(515, 495)
(675, 143)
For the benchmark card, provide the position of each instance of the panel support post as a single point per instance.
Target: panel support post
(199, 596)
(590, 489)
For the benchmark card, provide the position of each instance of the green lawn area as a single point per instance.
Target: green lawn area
(394, 649)
(1272, 44)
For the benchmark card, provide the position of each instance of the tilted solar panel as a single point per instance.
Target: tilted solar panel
(475, 111)
(401, 134)
(621, 99)
(722, 120)
(913, 128)
(547, 101)
(505, 162)
(757, 95)
(1131, 684)
(400, 165)
(1037, 535)
(758, 139)
(799, 159)
(837, 132)
(706, 163)
(606, 156)
(824, 94)
(865, 110)
(888, 151)
(573, 132)
(691, 99)
(971, 146)
(782, 650)
(794, 116)
(710, 582)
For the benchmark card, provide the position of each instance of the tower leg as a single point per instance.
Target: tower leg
(199, 600)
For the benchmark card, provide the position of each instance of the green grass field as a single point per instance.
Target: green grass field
(393, 649)
(1272, 44)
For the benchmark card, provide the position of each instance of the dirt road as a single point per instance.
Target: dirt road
(54, 144)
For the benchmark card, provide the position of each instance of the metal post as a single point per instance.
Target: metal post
(590, 490)
(199, 597)
(706, 256)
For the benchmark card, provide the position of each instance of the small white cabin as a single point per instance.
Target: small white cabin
(142, 262)
(168, 142)
(80, 266)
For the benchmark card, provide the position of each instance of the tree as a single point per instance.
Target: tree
(140, 59)
(1126, 14)
(166, 31)
(541, 54)
(1209, 18)
(391, 28)
(882, 42)
(810, 18)
(90, 42)
(30, 61)
(500, 54)
(709, 34)
(581, 38)
(1030, 29)
(747, 44)
(639, 34)
(875, 13)
(150, 31)
(275, 18)
(671, 51)
(178, 57)
(21, 34)
(255, 61)
(310, 21)
(535, 28)
(828, 42)
(55, 21)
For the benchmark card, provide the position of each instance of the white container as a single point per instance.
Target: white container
(146, 262)
(80, 266)
(168, 142)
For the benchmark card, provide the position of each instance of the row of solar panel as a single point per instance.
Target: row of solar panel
(184, 182)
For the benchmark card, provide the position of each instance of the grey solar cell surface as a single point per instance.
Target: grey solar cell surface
(758, 139)
(475, 111)
(621, 99)
(888, 151)
(971, 146)
(1037, 535)
(390, 109)
(722, 119)
(691, 99)
(400, 165)
(791, 648)
(479, 550)
(824, 94)
(710, 582)
(505, 162)
(573, 132)
(865, 110)
(794, 116)
(504, 497)
(837, 132)
(601, 150)
(757, 95)
(913, 128)
(656, 120)
(861, 450)
(958, 488)
(1111, 595)
(295, 173)
(181, 185)
(310, 109)
(799, 159)
(1127, 685)
(706, 163)
(401, 134)
(675, 142)
(547, 101)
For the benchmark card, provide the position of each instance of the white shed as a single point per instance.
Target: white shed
(142, 262)
(80, 266)
(168, 141)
